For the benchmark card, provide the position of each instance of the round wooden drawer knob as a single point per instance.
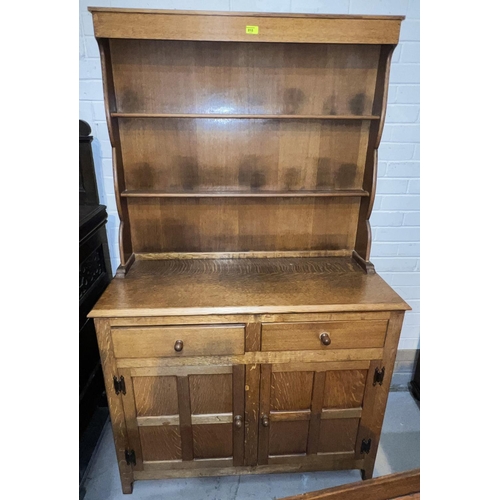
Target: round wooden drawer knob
(325, 338)
(265, 420)
(179, 345)
(238, 421)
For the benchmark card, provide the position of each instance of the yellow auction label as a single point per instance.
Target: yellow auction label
(252, 30)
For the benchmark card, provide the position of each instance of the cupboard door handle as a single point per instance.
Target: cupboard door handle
(179, 345)
(238, 421)
(265, 420)
(325, 338)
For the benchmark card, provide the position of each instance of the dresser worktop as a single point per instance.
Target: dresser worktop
(246, 286)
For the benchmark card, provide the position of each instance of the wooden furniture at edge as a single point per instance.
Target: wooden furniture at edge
(246, 330)
(398, 486)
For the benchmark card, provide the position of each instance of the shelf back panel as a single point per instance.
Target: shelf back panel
(156, 76)
(274, 155)
(240, 224)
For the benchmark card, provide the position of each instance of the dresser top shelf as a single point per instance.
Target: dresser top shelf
(230, 26)
(239, 14)
(246, 286)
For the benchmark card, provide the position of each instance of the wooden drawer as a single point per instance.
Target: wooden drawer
(306, 336)
(159, 342)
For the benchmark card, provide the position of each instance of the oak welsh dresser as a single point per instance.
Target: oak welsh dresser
(246, 330)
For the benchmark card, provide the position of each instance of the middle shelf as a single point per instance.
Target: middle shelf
(150, 193)
(219, 116)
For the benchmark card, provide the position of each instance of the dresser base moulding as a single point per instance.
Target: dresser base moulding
(342, 464)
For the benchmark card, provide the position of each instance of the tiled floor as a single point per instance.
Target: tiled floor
(399, 450)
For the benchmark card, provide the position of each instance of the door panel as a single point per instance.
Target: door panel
(288, 438)
(211, 393)
(160, 443)
(344, 388)
(155, 396)
(185, 417)
(212, 396)
(291, 391)
(310, 408)
(338, 435)
(213, 441)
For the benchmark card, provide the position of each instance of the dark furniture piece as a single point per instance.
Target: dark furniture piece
(95, 275)
(415, 381)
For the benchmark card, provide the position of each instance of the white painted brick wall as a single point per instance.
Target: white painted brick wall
(396, 217)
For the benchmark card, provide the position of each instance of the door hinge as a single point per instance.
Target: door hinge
(119, 384)
(378, 378)
(366, 444)
(130, 457)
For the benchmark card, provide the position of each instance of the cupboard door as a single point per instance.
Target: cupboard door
(310, 412)
(176, 416)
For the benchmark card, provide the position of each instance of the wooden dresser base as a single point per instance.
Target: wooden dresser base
(316, 408)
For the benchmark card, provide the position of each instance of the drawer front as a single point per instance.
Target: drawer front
(307, 336)
(159, 342)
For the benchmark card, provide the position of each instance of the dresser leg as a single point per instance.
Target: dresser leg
(367, 473)
(127, 484)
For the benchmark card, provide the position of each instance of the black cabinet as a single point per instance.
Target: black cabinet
(415, 381)
(95, 275)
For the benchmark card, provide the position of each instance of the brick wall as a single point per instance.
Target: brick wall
(395, 219)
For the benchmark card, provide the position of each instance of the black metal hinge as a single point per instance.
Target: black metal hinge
(130, 457)
(378, 378)
(366, 444)
(119, 384)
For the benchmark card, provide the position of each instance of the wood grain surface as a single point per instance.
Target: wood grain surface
(233, 78)
(338, 434)
(172, 25)
(241, 224)
(277, 465)
(155, 396)
(393, 486)
(115, 404)
(213, 441)
(159, 342)
(161, 443)
(344, 388)
(288, 438)
(291, 390)
(375, 400)
(146, 366)
(245, 176)
(248, 286)
(211, 393)
(306, 336)
(238, 412)
(252, 391)
(259, 154)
